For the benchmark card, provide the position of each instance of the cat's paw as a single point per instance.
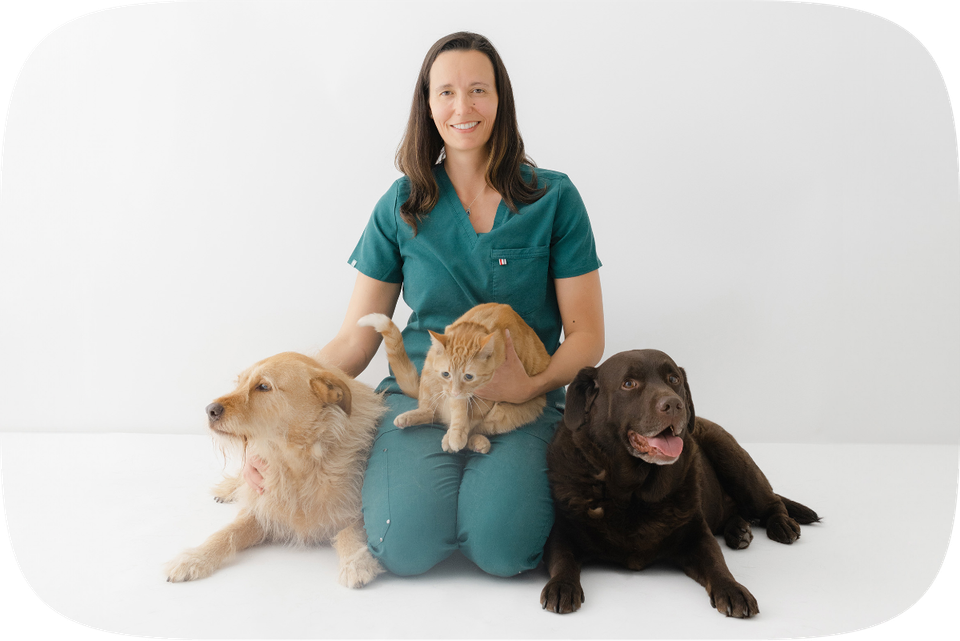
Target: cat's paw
(404, 420)
(479, 443)
(453, 441)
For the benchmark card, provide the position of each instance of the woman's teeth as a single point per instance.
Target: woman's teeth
(466, 125)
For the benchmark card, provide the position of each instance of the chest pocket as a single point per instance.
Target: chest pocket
(520, 278)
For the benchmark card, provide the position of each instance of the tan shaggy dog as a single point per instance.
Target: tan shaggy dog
(313, 426)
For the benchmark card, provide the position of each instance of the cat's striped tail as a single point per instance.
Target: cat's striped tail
(403, 368)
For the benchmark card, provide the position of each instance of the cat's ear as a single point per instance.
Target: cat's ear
(437, 339)
(487, 346)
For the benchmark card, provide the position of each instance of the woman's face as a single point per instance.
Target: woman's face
(463, 100)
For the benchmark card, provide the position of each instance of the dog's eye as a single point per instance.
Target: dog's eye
(673, 379)
(263, 387)
(445, 374)
(629, 384)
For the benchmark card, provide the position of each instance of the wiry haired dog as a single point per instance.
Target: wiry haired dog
(313, 426)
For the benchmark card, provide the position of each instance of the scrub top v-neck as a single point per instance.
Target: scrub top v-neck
(447, 267)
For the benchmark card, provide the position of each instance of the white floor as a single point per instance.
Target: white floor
(92, 518)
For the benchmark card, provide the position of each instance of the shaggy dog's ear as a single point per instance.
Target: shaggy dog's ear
(580, 396)
(332, 390)
(689, 401)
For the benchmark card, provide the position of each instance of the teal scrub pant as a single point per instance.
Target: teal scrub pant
(420, 504)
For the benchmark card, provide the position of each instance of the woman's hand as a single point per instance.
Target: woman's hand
(510, 382)
(252, 473)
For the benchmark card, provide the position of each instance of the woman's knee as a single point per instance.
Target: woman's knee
(506, 509)
(410, 501)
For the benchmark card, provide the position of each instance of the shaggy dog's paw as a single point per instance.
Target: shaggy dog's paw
(189, 566)
(479, 444)
(359, 570)
(782, 529)
(734, 600)
(453, 441)
(226, 490)
(562, 595)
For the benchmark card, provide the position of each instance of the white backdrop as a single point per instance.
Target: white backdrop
(773, 188)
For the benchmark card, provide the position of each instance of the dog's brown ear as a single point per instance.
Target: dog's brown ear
(332, 390)
(689, 401)
(581, 394)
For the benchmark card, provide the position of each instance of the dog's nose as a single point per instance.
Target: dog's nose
(669, 405)
(214, 410)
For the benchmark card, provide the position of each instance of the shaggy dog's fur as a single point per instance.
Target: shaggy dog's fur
(313, 427)
(637, 477)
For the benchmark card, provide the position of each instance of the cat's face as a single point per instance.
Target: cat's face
(464, 360)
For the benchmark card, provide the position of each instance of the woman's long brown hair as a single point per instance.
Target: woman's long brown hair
(422, 146)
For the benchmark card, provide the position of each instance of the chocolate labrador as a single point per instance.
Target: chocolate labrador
(638, 478)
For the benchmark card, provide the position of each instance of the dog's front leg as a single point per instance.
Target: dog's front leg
(562, 593)
(702, 560)
(201, 562)
(357, 565)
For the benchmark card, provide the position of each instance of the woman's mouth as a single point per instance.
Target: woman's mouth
(465, 126)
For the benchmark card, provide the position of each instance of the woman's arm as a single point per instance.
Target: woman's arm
(353, 347)
(581, 310)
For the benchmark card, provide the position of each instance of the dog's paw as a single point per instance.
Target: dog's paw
(359, 571)
(734, 600)
(226, 490)
(190, 565)
(453, 441)
(479, 444)
(782, 529)
(562, 596)
(737, 533)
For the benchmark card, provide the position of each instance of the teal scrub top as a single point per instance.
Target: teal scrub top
(448, 267)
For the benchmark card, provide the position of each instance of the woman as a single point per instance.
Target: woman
(480, 226)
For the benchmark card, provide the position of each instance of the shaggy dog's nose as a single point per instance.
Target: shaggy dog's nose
(214, 410)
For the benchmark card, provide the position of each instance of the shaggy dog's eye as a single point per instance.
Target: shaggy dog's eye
(445, 374)
(629, 384)
(263, 387)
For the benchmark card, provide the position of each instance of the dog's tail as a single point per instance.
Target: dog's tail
(799, 513)
(403, 368)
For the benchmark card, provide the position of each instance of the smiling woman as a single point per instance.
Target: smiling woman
(471, 222)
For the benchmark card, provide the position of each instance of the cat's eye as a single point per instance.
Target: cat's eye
(468, 377)
(445, 374)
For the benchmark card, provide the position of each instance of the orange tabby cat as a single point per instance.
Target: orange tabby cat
(461, 360)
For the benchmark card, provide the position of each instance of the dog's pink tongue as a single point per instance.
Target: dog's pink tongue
(668, 444)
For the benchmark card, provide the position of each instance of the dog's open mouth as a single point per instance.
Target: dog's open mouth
(665, 445)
